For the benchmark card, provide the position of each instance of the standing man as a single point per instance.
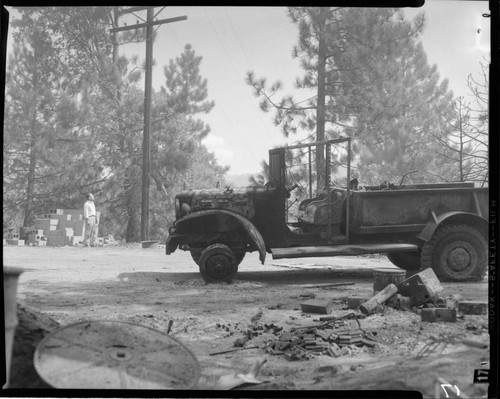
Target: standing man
(90, 216)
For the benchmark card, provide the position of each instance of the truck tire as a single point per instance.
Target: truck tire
(405, 260)
(456, 252)
(218, 264)
(196, 253)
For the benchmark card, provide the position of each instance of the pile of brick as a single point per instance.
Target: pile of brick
(58, 228)
(332, 339)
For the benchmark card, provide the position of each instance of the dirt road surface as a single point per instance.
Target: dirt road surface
(66, 285)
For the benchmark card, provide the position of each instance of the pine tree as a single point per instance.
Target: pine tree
(40, 131)
(186, 90)
(377, 87)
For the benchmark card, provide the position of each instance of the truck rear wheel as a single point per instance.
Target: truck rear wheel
(405, 260)
(456, 252)
(218, 264)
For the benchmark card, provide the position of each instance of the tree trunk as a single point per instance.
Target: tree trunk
(320, 112)
(461, 144)
(30, 189)
(131, 234)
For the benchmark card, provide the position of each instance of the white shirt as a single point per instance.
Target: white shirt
(89, 209)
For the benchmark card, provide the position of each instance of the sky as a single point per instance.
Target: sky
(235, 40)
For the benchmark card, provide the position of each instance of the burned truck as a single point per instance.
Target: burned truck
(418, 226)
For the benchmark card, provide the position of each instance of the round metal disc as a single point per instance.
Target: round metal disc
(114, 355)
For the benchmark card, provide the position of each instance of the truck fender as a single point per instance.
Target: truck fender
(452, 217)
(227, 220)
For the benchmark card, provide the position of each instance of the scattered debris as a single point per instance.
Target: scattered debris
(475, 343)
(317, 306)
(472, 307)
(255, 318)
(277, 306)
(439, 314)
(369, 306)
(421, 287)
(452, 301)
(325, 285)
(234, 380)
(169, 327)
(441, 342)
(233, 350)
(385, 276)
(355, 302)
(331, 339)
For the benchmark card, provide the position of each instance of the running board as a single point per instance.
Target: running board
(346, 250)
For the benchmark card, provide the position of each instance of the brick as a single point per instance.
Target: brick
(317, 306)
(472, 307)
(354, 302)
(421, 287)
(439, 315)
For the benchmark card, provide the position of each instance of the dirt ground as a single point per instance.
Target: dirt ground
(65, 285)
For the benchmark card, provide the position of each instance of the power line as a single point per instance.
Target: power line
(233, 67)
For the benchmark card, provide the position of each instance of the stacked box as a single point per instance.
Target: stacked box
(60, 227)
(56, 238)
(35, 238)
(78, 227)
(14, 241)
(46, 225)
(59, 218)
(57, 211)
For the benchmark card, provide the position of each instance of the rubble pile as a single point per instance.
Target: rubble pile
(331, 338)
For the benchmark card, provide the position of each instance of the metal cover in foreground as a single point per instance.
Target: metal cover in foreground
(114, 355)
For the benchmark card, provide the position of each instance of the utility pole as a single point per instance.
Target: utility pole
(147, 104)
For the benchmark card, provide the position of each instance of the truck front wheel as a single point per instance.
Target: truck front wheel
(196, 253)
(218, 264)
(405, 260)
(456, 252)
